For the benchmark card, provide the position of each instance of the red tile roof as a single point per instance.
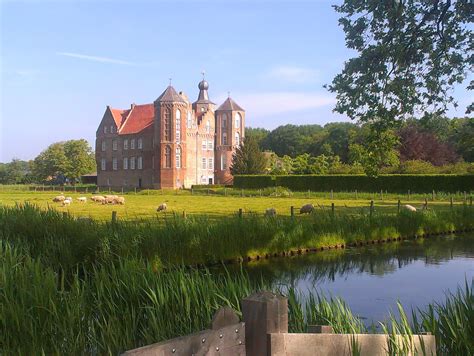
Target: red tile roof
(138, 118)
(119, 116)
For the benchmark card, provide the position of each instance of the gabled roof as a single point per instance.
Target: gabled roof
(229, 105)
(119, 116)
(170, 95)
(139, 118)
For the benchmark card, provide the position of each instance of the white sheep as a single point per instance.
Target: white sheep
(408, 207)
(109, 199)
(119, 200)
(270, 212)
(69, 198)
(98, 199)
(67, 202)
(82, 199)
(58, 198)
(162, 207)
(307, 209)
(110, 196)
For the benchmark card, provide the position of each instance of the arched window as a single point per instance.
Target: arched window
(167, 157)
(238, 118)
(178, 126)
(178, 157)
(208, 126)
(167, 125)
(224, 138)
(190, 120)
(224, 121)
(237, 139)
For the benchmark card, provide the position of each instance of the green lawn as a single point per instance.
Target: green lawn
(144, 204)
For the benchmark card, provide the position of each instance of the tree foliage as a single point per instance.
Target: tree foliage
(69, 159)
(410, 54)
(248, 159)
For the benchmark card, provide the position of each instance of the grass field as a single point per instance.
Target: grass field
(144, 204)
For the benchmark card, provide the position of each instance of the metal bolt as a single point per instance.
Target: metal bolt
(203, 340)
(240, 342)
(236, 330)
(220, 336)
(217, 349)
(173, 351)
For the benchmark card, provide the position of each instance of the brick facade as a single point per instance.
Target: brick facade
(170, 143)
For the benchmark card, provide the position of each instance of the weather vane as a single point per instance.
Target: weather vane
(203, 72)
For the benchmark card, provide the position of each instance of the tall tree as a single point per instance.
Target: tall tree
(410, 55)
(258, 133)
(248, 159)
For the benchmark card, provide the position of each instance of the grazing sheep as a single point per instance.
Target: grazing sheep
(162, 207)
(58, 198)
(109, 199)
(110, 196)
(67, 202)
(69, 198)
(270, 212)
(408, 207)
(97, 198)
(82, 199)
(307, 209)
(119, 200)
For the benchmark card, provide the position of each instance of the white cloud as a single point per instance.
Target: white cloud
(271, 103)
(293, 74)
(95, 58)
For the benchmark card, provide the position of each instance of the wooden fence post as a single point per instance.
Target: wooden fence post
(451, 201)
(263, 313)
(433, 194)
(292, 211)
(409, 195)
(114, 217)
(225, 191)
(426, 204)
(465, 197)
(240, 213)
(192, 191)
(381, 194)
(356, 194)
(332, 209)
(332, 194)
(184, 214)
(398, 206)
(371, 207)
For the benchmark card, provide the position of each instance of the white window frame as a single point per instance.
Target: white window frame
(132, 144)
(178, 126)
(178, 157)
(211, 163)
(111, 128)
(223, 162)
(132, 162)
(140, 162)
(210, 145)
(103, 164)
(238, 118)
(204, 145)
(114, 145)
(237, 139)
(224, 138)
(224, 121)
(114, 163)
(105, 129)
(125, 144)
(104, 145)
(140, 143)
(203, 163)
(125, 163)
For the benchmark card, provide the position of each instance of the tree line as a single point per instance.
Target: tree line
(60, 163)
(429, 145)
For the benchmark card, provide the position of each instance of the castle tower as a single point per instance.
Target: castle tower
(230, 131)
(171, 111)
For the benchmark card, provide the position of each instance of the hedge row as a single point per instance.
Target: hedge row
(393, 183)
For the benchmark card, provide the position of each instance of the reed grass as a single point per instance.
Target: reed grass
(114, 307)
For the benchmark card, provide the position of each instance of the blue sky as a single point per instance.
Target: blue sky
(62, 62)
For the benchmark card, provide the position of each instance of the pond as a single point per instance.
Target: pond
(372, 279)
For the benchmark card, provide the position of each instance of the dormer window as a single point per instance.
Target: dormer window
(112, 129)
(105, 129)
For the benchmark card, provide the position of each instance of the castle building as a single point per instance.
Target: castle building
(171, 143)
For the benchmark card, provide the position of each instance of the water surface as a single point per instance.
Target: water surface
(372, 279)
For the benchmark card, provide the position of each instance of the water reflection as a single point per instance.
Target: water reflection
(372, 279)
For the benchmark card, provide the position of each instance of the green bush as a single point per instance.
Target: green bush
(393, 183)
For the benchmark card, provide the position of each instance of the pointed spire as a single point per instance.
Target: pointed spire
(229, 105)
(170, 95)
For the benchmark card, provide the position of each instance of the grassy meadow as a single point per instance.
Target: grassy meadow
(220, 202)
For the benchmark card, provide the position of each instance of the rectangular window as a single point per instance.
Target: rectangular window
(140, 143)
(103, 164)
(105, 129)
(132, 162)
(204, 179)
(210, 145)
(125, 163)
(140, 162)
(132, 144)
(112, 129)
(125, 144)
(204, 144)
(103, 145)
(211, 163)
(223, 162)
(204, 163)
(114, 164)
(114, 145)
(224, 138)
